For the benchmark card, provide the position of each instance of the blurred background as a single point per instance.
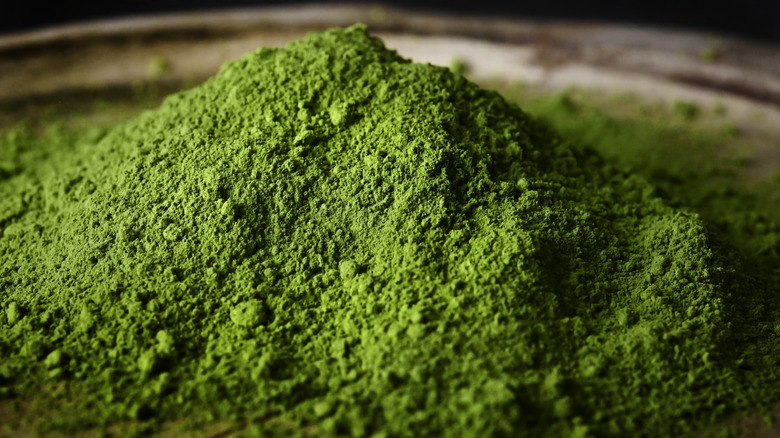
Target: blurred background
(753, 19)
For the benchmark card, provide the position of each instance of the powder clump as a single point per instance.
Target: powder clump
(333, 236)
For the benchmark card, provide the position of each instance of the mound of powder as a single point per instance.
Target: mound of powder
(330, 238)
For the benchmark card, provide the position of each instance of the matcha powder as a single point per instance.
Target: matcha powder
(330, 239)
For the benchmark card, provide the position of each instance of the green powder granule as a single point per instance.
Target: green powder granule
(334, 239)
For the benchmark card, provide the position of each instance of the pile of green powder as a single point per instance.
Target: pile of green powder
(330, 239)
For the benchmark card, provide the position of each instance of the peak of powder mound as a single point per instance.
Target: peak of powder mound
(331, 234)
(281, 143)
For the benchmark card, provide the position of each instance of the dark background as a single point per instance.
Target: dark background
(755, 19)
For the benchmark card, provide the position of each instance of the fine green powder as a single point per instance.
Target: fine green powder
(329, 239)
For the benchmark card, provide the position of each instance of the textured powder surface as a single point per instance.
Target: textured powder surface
(341, 241)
